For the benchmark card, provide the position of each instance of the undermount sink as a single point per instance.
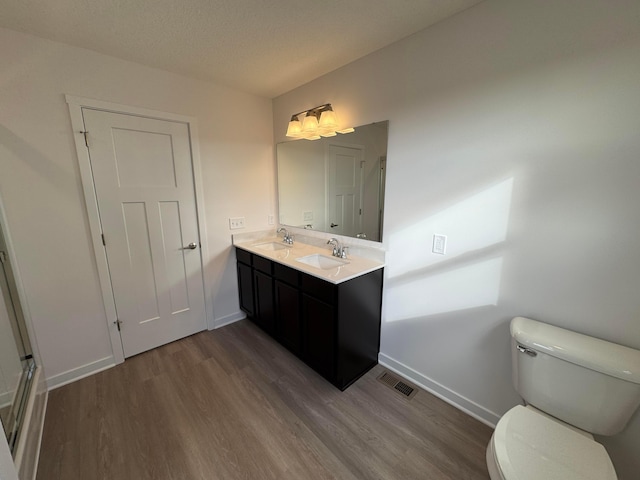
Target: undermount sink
(271, 246)
(321, 261)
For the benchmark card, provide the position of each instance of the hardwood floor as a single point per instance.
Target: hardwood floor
(234, 404)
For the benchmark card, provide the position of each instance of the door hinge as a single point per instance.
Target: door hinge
(86, 139)
(117, 323)
(104, 242)
(3, 257)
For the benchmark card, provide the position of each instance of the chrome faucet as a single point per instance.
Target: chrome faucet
(338, 250)
(287, 238)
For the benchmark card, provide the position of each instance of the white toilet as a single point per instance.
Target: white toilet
(574, 385)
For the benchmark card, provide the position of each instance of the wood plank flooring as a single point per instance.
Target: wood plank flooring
(234, 404)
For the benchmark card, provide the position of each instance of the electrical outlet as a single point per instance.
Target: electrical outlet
(439, 244)
(236, 223)
(271, 219)
(308, 216)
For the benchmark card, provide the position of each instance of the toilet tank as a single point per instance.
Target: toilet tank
(584, 381)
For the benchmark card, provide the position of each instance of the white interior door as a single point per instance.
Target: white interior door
(144, 184)
(344, 189)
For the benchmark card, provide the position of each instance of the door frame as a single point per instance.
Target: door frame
(76, 104)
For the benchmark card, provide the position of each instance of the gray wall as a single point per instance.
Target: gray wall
(514, 131)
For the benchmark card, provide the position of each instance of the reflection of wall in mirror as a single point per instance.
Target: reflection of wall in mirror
(10, 366)
(301, 184)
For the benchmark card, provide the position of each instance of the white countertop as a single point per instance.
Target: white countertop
(355, 267)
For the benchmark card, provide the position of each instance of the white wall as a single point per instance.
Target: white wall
(514, 131)
(41, 188)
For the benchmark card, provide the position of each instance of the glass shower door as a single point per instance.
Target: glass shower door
(16, 358)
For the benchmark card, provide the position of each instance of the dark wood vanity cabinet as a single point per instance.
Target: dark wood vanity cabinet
(289, 323)
(334, 328)
(318, 339)
(245, 287)
(265, 314)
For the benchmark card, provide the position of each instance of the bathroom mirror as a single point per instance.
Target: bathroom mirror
(335, 184)
(16, 359)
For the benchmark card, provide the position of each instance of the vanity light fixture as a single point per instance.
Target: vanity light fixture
(320, 121)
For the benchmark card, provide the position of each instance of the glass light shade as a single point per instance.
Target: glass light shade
(310, 124)
(328, 133)
(346, 130)
(313, 137)
(328, 120)
(295, 128)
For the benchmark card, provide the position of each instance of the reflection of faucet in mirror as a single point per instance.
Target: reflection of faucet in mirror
(287, 237)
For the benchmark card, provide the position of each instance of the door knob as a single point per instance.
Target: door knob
(334, 225)
(191, 246)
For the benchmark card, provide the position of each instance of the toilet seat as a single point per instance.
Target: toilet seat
(528, 445)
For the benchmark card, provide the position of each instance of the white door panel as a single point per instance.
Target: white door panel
(144, 185)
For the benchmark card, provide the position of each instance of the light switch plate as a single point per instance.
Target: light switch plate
(271, 219)
(439, 244)
(236, 223)
(308, 216)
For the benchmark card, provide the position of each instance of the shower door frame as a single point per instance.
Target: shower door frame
(32, 379)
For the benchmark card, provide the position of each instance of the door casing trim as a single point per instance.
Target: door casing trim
(76, 104)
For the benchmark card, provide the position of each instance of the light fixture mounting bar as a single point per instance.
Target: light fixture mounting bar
(315, 110)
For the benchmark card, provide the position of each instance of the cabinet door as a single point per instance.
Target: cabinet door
(319, 334)
(245, 288)
(264, 307)
(288, 319)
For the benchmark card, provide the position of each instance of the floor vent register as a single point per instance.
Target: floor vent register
(394, 382)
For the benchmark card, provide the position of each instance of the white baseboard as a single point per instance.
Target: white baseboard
(228, 319)
(75, 374)
(478, 412)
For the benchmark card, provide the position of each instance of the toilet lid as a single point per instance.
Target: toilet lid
(530, 446)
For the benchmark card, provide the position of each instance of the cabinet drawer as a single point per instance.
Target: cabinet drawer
(286, 274)
(243, 256)
(263, 264)
(318, 288)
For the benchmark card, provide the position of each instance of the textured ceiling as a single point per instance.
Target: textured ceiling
(266, 47)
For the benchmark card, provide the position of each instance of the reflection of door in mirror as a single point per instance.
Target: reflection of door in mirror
(345, 166)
